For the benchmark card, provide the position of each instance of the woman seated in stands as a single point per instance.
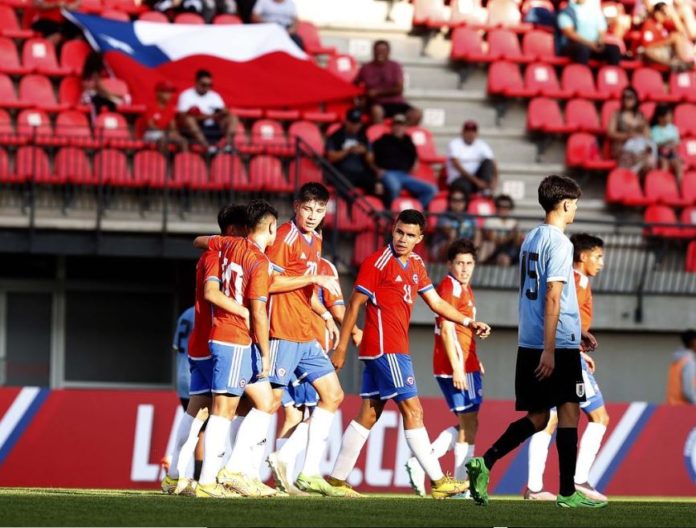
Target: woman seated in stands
(666, 137)
(630, 135)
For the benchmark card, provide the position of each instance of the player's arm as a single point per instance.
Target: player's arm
(213, 295)
(338, 358)
(444, 309)
(282, 283)
(259, 320)
(202, 242)
(338, 311)
(448, 335)
(552, 311)
(325, 314)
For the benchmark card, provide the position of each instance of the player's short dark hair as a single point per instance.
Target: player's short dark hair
(503, 200)
(584, 242)
(554, 189)
(412, 217)
(312, 191)
(381, 42)
(687, 337)
(257, 211)
(202, 74)
(232, 216)
(459, 247)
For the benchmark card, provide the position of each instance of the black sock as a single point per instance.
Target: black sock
(516, 433)
(567, 445)
(197, 466)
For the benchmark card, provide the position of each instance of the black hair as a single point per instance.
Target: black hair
(412, 217)
(461, 246)
(661, 110)
(381, 42)
(257, 211)
(312, 191)
(688, 336)
(504, 198)
(232, 216)
(584, 242)
(633, 91)
(659, 7)
(554, 189)
(202, 74)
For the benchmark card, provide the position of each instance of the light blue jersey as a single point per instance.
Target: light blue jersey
(547, 256)
(184, 325)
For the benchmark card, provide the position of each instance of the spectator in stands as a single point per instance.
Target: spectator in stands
(383, 80)
(160, 119)
(680, 12)
(681, 378)
(349, 151)
(663, 44)
(630, 135)
(395, 156)
(453, 224)
(471, 166)
(501, 235)
(96, 96)
(281, 12)
(205, 8)
(583, 31)
(666, 137)
(203, 115)
(45, 17)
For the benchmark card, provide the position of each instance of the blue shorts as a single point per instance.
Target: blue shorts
(463, 401)
(593, 396)
(300, 394)
(307, 361)
(234, 367)
(201, 375)
(389, 376)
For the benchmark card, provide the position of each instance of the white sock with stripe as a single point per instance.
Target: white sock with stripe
(445, 442)
(214, 448)
(462, 453)
(352, 443)
(418, 441)
(181, 458)
(317, 438)
(587, 450)
(538, 453)
(251, 432)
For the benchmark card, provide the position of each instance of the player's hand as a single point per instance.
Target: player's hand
(590, 362)
(546, 365)
(333, 332)
(588, 341)
(481, 329)
(265, 367)
(459, 379)
(329, 283)
(357, 336)
(338, 358)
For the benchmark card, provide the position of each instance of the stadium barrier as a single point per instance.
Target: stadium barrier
(116, 439)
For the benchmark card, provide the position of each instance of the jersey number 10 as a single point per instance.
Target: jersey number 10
(230, 271)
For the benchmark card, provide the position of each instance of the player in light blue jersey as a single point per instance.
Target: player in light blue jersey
(184, 325)
(548, 371)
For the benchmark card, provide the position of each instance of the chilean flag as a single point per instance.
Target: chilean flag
(255, 65)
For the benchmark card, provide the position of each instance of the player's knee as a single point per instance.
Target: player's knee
(600, 417)
(334, 398)
(413, 416)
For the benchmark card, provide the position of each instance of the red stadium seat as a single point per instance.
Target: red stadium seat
(467, 46)
(648, 109)
(268, 134)
(338, 215)
(582, 115)
(189, 172)
(312, 41)
(9, 58)
(72, 166)
(119, 88)
(649, 85)
(38, 54)
(661, 214)
(425, 145)
(282, 114)
(691, 257)
(153, 16)
(360, 212)
(36, 127)
(687, 150)
(241, 141)
(683, 85)
(7, 131)
(504, 45)
(189, 18)
(228, 172)
(504, 79)
(304, 172)
(149, 169)
(437, 206)
(688, 187)
(111, 168)
(544, 115)
(366, 243)
(32, 163)
(320, 116)
(309, 133)
(38, 92)
(266, 173)
(10, 25)
(481, 206)
(113, 14)
(505, 13)
(73, 126)
(70, 93)
(429, 13)
(90, 6)
(374, 132)
(661, 187)
(608, 109)
(132, 7)
(623, 188)
(343, 66)
(688, 218)
(7, 176)
(685, 119)
(582, 151)
(112, 129)
(73, 55)
(402, 203)
(611, 80)
(467, 13)
(577, 80)
(8, 97)
(539, 46)
(541, 79)
(225, 19)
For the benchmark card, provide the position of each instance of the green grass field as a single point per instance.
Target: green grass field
(46, 507)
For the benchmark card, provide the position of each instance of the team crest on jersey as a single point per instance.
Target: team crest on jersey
(415, 278)
(410, 380)
(580, 389)
(242, 383)
(281, 372)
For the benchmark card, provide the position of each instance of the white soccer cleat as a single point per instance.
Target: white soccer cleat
(539, 495)
(280, 473)
(588, 491)
(416, 476)
(182, 484)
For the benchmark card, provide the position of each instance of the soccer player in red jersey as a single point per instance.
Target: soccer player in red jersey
(389, 279)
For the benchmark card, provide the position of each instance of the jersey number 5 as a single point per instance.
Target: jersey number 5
(529, 271)
(232, 270)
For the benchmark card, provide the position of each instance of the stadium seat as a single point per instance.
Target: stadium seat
(268, 135)
(189, 172)
(366, 243)
(149, 169)
(7, 131)
(504, 79)
(425, 145)
(338, 215)
(541, 79)
(343, 66)
(504, 45)
(544, 115)
(111, 168)
(582, 151)
(305, 171)
(73, 126)
(661, 187)
(36, 126)
(9, 58)
(687, 150)
(688, 187)
(505, 13)
(70, 93)
(608, 109)
(320, 116)
(309, 133)
(376, 131)
(691, 257)
(112, 129)
(361, 209)
(611, 80)
(189, 18)
(403, 203)
(467, 45)
(661, 214)
(683, 85)
(650, 87)
(31, 163)
(228, 172)
(266, 173)
(119, 88)
(688, 218)
(623, 188)
(282, 114)
(429, 13)
(9, 24)
(225, 19)
(7, 176)
(114, 14)
(437, 206)
(539, 46)
(90, 6)
(72, 166)
(648, 109)
(577, 80)
(132, 7)
(8, 97)
(312, 41)
(467, 13)
(73, 55)
(581, 114)
(481, 206)
(39, 55)
(153, 16)
(38, 92)
(685, 119)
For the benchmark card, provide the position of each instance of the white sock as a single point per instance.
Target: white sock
(214, 448)
(280, 442)
(294, 445)
(182, 433)
(251, 432)
(232, 438)
(418, 441)
(317, 438)
(257, 455)
(461, 455)
(538, 452)
(354, 439)
(587, 450)
(181, 462)
(445, 442)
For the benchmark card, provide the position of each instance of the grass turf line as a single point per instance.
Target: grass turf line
(45, 507)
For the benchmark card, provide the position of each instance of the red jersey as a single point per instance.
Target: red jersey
(207, 268)
(293, 255)
(246, 276)
(582, 287)
(328, 300)
(161, 116)
(653, 32)
(391, 286)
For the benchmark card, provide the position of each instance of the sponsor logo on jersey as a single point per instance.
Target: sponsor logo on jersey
(399, 279)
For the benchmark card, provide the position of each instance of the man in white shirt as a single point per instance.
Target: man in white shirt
(281, 12)
(470, 163)
(203, 115)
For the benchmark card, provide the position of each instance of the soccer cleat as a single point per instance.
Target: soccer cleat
(578, 500)
(214, 490)
(263, 490)
(182, 484)
(342, 485)
(280, 472)
(447, 486)
(478, 478)
(168, 484)
(189, 490)
(416, 476)
(588, 491)
(316, 484)
(461, 496)
(542, 495)
(238, 482)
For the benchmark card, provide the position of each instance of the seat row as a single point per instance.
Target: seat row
(624, 188)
